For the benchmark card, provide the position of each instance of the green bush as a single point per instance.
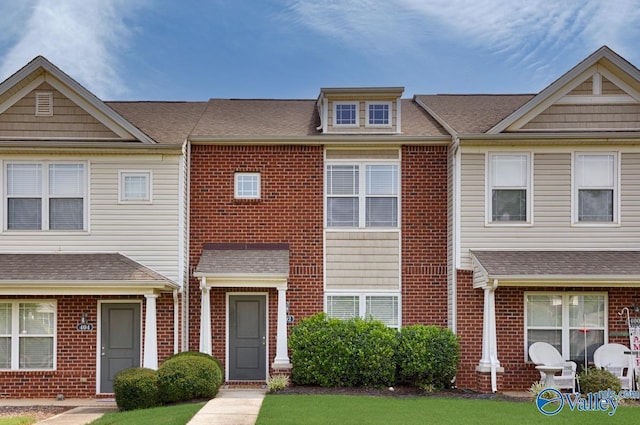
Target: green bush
(342, 353)
(198, 354)
(188, 377)
(427, 356)
(593, 380)
(136, 388)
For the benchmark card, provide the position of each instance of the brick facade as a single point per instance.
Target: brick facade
(290, 211)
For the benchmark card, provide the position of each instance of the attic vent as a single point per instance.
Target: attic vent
(44, 103)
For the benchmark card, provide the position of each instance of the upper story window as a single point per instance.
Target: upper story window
(345, 113)
(135, 186)
(378, 114)
(362, 195)
(247, 186)
(45, 196)
(595, 187)
(509, 185)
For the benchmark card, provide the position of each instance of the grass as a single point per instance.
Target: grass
(18, 420)
(178, 414)
(361, 410)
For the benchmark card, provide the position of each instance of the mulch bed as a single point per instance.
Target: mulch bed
(38, 412)
(400, 391)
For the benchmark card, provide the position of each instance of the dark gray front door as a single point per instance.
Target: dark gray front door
(119, 341)
(247, 338)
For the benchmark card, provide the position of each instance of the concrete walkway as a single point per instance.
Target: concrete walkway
(231, 407)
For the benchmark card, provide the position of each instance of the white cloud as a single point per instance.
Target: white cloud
(82, 37)
(530, 32)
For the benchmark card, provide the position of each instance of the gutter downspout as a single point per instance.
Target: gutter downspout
(493, 346)
(176, 322)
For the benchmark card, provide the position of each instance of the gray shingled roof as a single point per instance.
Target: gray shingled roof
(473, 113)
(164, 122)
(559, 263)
(244, 259)
(76, 267)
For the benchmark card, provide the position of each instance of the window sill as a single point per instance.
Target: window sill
(509, 224)
(45, 232)
(593, 224)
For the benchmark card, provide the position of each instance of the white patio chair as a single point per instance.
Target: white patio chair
(544, 354)
(612, 357)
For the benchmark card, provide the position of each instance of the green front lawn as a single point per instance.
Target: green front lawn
(18, 420)
(361, 410)
(178, 414)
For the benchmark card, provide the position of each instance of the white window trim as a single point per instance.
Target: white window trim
(45, 196)
(387, 125)
(488, 192)
(362, 195)
(335, 115)
(566, 346)
(15, 332)
(236, 195)
(616, 222)
(121, 193)
(362, 301)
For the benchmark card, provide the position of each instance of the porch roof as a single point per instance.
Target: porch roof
(69, 273)
(557, 267)
(244, 259)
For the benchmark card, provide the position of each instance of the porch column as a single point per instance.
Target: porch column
(205, 318)
(489, 342)
(282, 356)
(150, 357)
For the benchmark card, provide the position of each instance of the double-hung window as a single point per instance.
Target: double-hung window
(595, 187)
(362, 195)
(45, 196)
(509, 190)
(383, 307)
(573, 323)
(27, 335)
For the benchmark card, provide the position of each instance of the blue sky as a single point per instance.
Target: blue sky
(195, 50)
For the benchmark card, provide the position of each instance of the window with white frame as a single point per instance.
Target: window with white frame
(509, 187)
(345, 114)
(362, 195)
(45, 196)
(27, 335)
(384, 308)
(247, 185)
(378, 114)
(573, 323)
(135, 186)
(595, 183)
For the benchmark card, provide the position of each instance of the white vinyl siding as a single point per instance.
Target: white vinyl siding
(362, 260)
(552, 209)
(147, 233)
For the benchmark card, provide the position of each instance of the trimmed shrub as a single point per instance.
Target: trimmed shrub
(342, 353)
(136, 388)
(593, 380)
(427, 356)
(188, 377)
(199, 354)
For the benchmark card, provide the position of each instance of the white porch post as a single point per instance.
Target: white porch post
(281, 360)
(205, 318)
(150, 357)
(489, 342)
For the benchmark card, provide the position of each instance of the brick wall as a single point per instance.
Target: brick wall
(424, 235)
(75, 374)
(290, 210)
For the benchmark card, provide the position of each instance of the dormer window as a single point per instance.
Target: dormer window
(44, 104)
(345, 114)
(378, 114)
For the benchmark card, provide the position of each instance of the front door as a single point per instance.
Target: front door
(247, 338)
(119, 341)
